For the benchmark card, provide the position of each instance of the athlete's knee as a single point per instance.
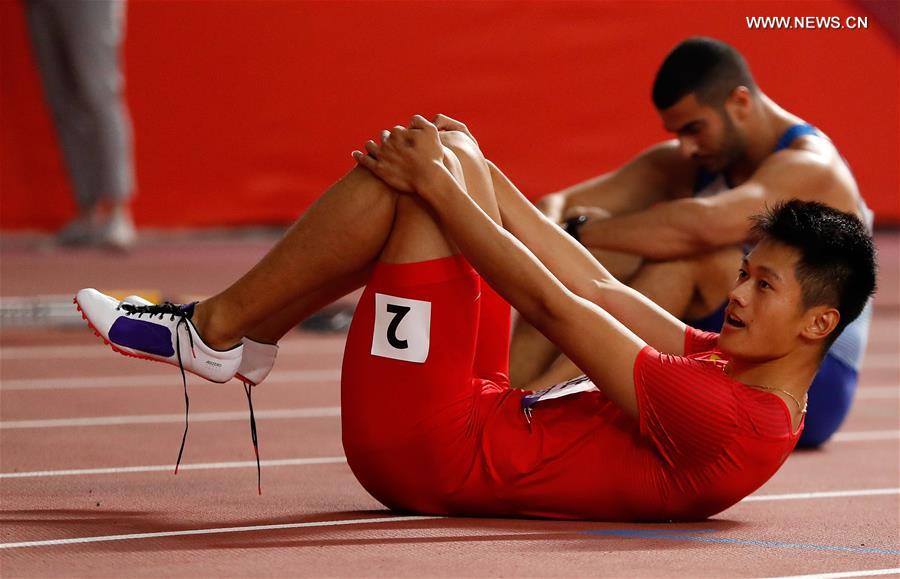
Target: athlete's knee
(466, 150)
(553, 206)
(461, 144)
(464, 160)
(452, 163)
(364, 178)
(723, 257)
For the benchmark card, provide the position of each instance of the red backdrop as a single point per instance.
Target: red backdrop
(244, 111)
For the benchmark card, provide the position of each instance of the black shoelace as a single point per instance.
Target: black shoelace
(177, 311)
(248, 388)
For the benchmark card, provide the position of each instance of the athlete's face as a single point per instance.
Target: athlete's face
(707, 135)
(765, 318)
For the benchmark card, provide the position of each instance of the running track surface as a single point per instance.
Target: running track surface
(88, 441)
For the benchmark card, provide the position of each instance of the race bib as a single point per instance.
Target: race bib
(402, 328)
(568, 388)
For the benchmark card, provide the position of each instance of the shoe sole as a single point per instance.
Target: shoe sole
(129, 354)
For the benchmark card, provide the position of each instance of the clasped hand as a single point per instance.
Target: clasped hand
(408, 158)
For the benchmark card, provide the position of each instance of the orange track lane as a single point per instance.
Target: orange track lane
(322, 518)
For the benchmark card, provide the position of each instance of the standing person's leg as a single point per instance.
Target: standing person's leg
(53, 56)
(78, 48)
(95, 33)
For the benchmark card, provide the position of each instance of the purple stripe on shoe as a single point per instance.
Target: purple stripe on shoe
(142, 335)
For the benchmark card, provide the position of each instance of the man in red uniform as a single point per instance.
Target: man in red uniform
(668, 423)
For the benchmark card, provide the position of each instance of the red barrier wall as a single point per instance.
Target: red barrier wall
(245, 111)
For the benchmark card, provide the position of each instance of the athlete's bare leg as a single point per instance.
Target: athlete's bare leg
(690, 288)
(272, 329)
(338, 236)
(687, 288)
(330, 250)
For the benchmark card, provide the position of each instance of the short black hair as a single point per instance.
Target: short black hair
(705, 66)
(837, 265)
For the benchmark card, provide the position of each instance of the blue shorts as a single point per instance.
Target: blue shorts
(830, 394)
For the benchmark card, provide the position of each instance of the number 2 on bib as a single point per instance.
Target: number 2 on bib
(402, 328)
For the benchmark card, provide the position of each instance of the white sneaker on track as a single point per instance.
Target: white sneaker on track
(256, 362)
(162, 332)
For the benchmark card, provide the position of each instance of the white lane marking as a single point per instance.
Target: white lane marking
(313, 412)
(872, 361)
(169, 467)
(99, 350)
(277, 377)
(134, 536)
(842, 574)
(162, 534)
(865, 435)
(143, 380)
(823, 495)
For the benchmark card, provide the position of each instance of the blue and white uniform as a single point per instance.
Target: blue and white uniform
(831, 392)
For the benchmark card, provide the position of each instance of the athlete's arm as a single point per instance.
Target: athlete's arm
(689, 226)
(581, 273)
(644, 180)
(600, 345)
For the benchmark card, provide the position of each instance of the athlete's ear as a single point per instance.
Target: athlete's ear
(820, 322)
(740, 101)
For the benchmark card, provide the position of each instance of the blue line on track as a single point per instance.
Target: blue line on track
(690, 535)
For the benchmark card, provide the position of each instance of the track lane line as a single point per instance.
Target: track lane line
(865, 435)
(871, 361)
(278, 377)
(253, 528)
(843, 574)
(343, 459)
(310, 412)
(164, 380)
(307, 412)
(169, 467)
(823, 495)
(212, 531)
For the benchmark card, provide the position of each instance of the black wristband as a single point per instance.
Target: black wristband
(573, 224)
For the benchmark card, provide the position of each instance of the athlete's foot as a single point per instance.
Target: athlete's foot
(210, 327)
(258, 357)
(257, 361)
(163, 332)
